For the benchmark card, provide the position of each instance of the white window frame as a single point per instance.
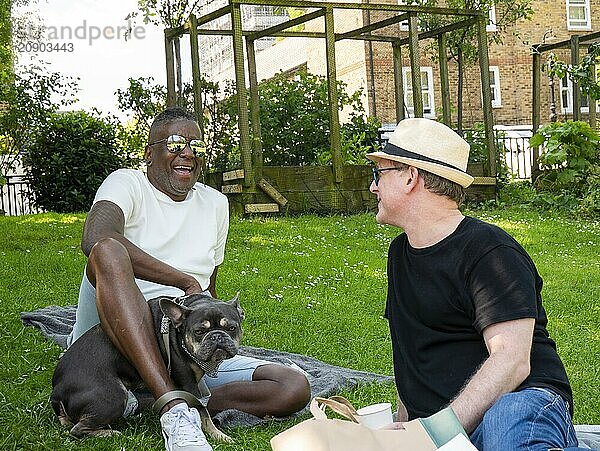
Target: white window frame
(429, 91)
(588, 18)
(568, 90)
(495, 87)
(491, 25)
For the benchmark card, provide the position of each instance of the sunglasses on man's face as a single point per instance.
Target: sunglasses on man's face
(377, 173)
(177, 143)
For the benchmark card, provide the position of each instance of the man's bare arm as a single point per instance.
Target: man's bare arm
(106, 220)
(508, 365)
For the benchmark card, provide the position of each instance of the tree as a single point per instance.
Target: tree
(462, 43)
(294, 119)
(584, 74)
(70, 157)
(27, 99)
(145, 99)
(170, 14)
(6, 54)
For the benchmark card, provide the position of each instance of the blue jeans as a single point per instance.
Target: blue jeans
(533, 419)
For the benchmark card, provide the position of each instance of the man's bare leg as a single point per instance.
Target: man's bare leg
(275, 390)
(125, 316)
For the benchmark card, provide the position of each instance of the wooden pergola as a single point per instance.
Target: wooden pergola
(574, 44)
(251, 150)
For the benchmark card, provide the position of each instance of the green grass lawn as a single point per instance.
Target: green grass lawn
(310, 285)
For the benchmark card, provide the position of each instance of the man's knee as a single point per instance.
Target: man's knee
(293, 389)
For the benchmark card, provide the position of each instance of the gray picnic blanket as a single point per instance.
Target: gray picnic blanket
(56, 323)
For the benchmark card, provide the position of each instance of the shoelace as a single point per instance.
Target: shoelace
(185, 429)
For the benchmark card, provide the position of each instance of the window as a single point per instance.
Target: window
(495, 86)
(426, 89)
(491, 25)
(578, 15)
(566, 97)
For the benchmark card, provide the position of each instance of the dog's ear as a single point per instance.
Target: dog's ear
(236, 303)
(175, 312)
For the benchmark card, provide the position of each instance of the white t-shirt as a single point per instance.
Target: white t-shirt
(189, 235)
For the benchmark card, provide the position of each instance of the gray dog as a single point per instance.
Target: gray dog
(92, 378)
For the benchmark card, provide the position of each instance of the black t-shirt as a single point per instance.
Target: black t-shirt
(440, 299)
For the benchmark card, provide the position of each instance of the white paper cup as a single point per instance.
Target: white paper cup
(376, 416)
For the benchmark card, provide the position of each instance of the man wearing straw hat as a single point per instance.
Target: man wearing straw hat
(467, 324)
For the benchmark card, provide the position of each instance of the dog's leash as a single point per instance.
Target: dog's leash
(202, 387)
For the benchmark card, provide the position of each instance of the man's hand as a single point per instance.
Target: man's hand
(193, 287)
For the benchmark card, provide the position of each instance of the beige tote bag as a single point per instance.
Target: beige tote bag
(321, 433)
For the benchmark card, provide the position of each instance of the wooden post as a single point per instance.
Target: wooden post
(242, 103)
(198, 107)
(399, 86)
(257, 156)
(334, 119)
(592, 101)
(415, 65)
(170, 63)
(444, 79)
(576, 93)
(536, 109)
(484, 69)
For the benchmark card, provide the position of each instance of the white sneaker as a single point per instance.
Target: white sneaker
(181, 430)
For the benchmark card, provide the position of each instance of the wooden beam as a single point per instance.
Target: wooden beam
(488, 119)
(257, 151)
(415, 66)
(576, 93)
(334, 118)
(442, 30)
(444, 80)
(536, 109)
(484, 180)
(242, 101)
(170, 64)
(198, 107)
(398, 82)
(272, 192)
(261, 208)
(232, 189)
(233, 175)
(290, 23)
(367, 6)
(372, 27)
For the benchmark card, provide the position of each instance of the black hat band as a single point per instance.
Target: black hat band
(400, 152)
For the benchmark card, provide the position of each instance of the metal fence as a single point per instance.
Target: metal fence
(16, 197)
(518, 156)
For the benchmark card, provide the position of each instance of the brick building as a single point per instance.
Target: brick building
(368, 65)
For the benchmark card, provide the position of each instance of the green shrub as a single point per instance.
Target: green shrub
(70, 157)
(294, 119)
(479, 151)
(570, 163)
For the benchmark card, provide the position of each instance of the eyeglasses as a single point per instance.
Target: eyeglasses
(377, 171)
(177, 143)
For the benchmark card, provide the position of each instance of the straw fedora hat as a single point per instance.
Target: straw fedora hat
(429, 145)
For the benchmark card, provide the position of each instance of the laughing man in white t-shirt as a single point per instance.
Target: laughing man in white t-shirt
(163, 233)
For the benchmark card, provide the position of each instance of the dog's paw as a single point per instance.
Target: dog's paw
(216, 434)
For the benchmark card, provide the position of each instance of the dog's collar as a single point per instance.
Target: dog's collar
(210, 368)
